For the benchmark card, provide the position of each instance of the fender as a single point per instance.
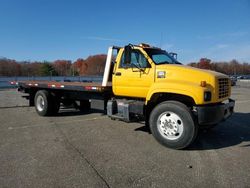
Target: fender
(178, 87)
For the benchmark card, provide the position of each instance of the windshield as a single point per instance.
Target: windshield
(160, 56)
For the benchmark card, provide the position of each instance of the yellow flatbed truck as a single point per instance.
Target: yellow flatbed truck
(145, 82)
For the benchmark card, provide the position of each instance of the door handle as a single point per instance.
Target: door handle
(118, 73)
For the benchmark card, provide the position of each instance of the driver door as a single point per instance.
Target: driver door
(134, 79)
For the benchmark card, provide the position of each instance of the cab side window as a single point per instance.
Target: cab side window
(137, 60)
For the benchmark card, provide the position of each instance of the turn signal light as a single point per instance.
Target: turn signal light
(144, 45)
(203, 83)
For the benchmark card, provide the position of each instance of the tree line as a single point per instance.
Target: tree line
(232, 67)
(93, 65)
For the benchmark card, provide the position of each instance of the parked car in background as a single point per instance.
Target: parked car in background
(240, 77)
(233, 80)
(243, 77)
(247, 77)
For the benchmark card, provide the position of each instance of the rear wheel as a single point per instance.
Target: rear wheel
(46, 104)
(172, 125)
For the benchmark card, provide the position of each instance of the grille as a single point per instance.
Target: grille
(223, 87)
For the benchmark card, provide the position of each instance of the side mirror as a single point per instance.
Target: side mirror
(127, 54)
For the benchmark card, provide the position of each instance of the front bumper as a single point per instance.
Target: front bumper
(208, 115)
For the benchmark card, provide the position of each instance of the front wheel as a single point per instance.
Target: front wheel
(172, 125)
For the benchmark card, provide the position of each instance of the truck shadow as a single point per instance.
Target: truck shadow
(144, 129)
(234, 131)
(74, 112)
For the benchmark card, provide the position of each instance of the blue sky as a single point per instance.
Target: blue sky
(70, 29)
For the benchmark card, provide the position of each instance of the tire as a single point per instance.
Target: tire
(84, 106)
(172, 125)
(46, 104)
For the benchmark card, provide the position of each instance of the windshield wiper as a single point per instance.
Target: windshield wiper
(164, 62)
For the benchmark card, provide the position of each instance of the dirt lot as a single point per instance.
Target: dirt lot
(90, 150)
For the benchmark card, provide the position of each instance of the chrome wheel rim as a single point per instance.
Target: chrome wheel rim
(170, 125)
(40, 103)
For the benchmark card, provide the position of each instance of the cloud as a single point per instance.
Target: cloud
(221, 46)
(235, 34)
(167, 46)
(205, 37)
(103, 39)
(242, 53)
(226, 52)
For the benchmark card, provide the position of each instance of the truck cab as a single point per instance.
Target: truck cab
(147, 70)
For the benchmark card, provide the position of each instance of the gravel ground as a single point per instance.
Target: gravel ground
(90, 150)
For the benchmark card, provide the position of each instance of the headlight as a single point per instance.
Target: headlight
(207, 96)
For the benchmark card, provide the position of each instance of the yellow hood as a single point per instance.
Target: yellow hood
(188, 74)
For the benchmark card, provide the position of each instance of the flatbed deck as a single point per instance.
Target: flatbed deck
(71, 86)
